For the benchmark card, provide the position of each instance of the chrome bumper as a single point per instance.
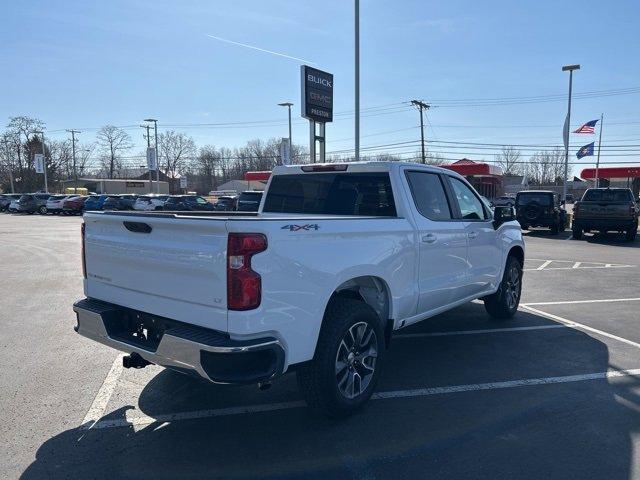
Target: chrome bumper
(206, 353)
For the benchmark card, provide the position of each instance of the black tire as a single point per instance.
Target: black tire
(554, 229)
(42, 210)
(524, 226)
(577, 233)
(318, 380)
(631, 234)
(504, 303)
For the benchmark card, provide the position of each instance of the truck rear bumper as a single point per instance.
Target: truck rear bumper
(604, 223)
(190, 349)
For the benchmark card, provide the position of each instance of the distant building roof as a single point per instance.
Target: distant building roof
(242, 185)
(469, 167)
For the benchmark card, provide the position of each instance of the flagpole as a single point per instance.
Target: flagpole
(599, 143)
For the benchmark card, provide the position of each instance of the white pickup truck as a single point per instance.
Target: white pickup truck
(337, 258)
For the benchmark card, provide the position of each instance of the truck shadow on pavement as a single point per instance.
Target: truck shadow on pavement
(616, 239)
(565, 430)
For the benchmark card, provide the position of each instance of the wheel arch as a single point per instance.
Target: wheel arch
(518, 252)
(372, 290)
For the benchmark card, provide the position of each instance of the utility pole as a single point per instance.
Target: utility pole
(148, 127)
(599, 144)
(567, 122)
(357, 77)
(44, 161)
(421, 106)
(155, 129)
(7, 150)
(73, 153)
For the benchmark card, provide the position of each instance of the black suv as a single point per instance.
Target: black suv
(187, 203)
(119, 202)
(249, 201)
(540, 208)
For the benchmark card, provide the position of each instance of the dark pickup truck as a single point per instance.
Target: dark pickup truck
(604, 210)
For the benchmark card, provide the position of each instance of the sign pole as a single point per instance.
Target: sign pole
(322, 143)
(599, 143)
(312, 141)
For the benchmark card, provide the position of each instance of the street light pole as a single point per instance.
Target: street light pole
(421, 106)
(288, 105)
(73, 150)
(357, 78)
(148, 146)
(567, 123)
(44, 162)
(155, 129)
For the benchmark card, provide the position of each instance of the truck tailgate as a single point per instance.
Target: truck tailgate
(609, 210)
(167, 266)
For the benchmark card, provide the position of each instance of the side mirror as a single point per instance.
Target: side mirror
(503, 214)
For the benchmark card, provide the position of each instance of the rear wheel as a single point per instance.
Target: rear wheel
(554, 229)
(42, 210)
(346, 366)
(504, 303)
(631, 234)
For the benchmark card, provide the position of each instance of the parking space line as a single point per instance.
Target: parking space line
(541, 267)
(475, 332)
(580, 326)
(417, 392)
(572, 302)
(99, 405)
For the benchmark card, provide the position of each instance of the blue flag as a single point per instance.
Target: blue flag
(585, 151)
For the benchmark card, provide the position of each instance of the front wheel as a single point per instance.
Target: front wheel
(631, 234)
(42, 210)
(346, 366)
(554, 229)
(504, 303)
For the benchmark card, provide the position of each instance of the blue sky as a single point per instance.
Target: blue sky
(84, 64)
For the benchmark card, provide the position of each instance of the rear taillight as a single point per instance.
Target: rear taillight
(84, 260)
(244, 286)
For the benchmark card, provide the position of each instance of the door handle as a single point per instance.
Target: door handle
(429, 238)
(472, 235)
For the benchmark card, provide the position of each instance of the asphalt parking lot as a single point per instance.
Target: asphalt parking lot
(553, 393)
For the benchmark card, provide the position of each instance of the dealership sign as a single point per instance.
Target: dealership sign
(317, 94)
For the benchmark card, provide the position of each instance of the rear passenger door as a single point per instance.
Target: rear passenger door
(484, 254)
(442, 242)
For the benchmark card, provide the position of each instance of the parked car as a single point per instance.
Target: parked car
(225, 204)
(74, 205)
(249, 201)
(150, 202)
(187, 203)
(505, 200)
(13, 206)
(33, 202)
(604, 210)
(6, 199)
(55, 203)
(119, 202)
(243, 300)
(94, 202)
(540, 208)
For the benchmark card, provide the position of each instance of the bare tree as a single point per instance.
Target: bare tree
(434, 159)
(112, 141)
(547, 167)
(175, 150)
(509, 161)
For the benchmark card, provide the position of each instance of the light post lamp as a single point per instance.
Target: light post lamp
(155, 130)
(567, 122)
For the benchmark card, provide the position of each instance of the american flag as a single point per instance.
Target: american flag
(588, 127)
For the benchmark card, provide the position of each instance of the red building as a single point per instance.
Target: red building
(620, 176)
(485, 178)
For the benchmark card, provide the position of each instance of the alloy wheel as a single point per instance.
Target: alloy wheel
(356, 359)
(512, 287)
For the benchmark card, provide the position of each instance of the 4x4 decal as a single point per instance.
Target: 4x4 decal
(296, 228)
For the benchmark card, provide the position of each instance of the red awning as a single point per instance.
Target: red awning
(257, 176)
(469, 167)
(611, 172)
